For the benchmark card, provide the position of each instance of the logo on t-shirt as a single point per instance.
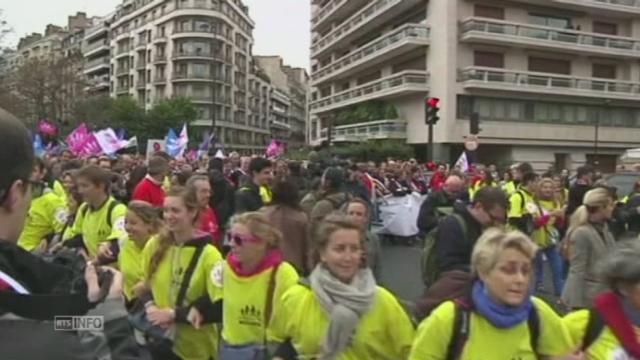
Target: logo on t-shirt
(250, 315)
(620, 354)
(216, 274)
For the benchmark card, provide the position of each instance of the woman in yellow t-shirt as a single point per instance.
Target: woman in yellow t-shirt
(611, 329)
(340, 313)
(251, 281)
(141, 223)
(547, 236)
(167, 261)
(500, 319)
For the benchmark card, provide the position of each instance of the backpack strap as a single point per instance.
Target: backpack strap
(460, 332)
(186, 280)
(112, 206)
(522, 201)
(268, 307)
(594, 328)
(533, 323)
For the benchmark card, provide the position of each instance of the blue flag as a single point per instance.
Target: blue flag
(172, 144)
(38, 146)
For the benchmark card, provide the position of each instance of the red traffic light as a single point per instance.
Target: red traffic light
(433, 102)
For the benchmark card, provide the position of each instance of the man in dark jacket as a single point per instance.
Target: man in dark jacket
(440, 203)
(32, 291)
(456, 236)
(248, 196)
(584, 183)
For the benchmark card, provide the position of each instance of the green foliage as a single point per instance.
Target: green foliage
(373, 150)
(124, 113)
(170, 113)
(365, 112)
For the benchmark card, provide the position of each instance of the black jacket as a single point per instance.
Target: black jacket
(222, 197)
(429, 210)
(452, 246)
(26, 322)
(576, 195)
(248, 198)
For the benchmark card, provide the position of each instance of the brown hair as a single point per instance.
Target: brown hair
(332, 223)
(165, 237)
(146, 212)
(96, 175)
(357, 200)
(259, 226)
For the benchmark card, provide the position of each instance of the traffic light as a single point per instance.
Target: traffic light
(474, 124)
(431, 111)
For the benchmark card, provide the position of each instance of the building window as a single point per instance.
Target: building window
(547, 65)
(604, 71)
(488, 59)
(550, 21)
(492, 12)
(605, 28)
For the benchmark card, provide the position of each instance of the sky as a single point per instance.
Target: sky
(282, 26)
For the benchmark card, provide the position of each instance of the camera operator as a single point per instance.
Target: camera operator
(33, 292)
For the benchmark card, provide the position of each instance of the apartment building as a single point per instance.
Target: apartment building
(555, 82)
(97, 57)
(199, 49)
(288, 100)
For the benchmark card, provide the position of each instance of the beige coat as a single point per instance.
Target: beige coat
(587, 246)
(294, 225)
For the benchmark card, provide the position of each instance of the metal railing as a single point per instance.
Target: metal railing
(122, 70)
(96, 62)
(373, 88)
(370, 12)
(559, 37)
(198, 53)
(377, 46)
(95, 45)
(321, 15)
(381, 129)
(536, 80)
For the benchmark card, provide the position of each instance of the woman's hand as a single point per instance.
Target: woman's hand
(195, 318)
(161, 317)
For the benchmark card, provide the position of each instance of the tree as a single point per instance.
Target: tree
(168, 114)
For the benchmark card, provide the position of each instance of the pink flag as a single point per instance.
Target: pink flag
(47, 128)
(77, 138)
(275, 149)
(90, 146)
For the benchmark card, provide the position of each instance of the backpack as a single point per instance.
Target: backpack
(428, 262)
(112, 205)
(338, 204)
(462, 325)
(530, 226)
(595, 325)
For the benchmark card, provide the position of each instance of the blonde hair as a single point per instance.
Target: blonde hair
(332, 223)
(594, 200)
(147, 213)
(541, 183)
(259, 226)
(493, 243)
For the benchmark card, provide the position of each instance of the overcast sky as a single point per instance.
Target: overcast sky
(282, 26)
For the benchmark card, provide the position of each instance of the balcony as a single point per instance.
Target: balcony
(373, 130)
(197, 54)
(96, 64)
(320, 18)
(280, 125)
(481, 78)
(623, 7)
(141, 84)
(141, 44)
(393, 44)
(96, 47)
(159, 58)
(205, 32)
(541, 37)
(362, 22)
(123, 70)
(141, 64)
(159, 38)
(122, 89)
(191, 76)
(402, 83)
(159, 80)
(96, 84)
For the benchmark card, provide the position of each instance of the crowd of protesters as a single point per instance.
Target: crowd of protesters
(251, 258)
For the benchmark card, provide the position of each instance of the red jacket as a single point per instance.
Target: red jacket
(437, 181)
(209, 224)
(147, 190)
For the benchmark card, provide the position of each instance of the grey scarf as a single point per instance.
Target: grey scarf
(346, 304)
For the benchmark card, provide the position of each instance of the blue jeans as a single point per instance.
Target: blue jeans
(555, 261)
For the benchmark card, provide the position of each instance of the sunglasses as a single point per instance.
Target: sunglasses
(239, 239)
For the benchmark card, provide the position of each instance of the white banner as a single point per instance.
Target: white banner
(154, 146)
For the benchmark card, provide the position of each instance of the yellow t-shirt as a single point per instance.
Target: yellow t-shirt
(245, 301)
(385, 332)
(130, 264)
(488, 342)
(189, 344)
(543, 235)
(605, 347)
(47, 215)
(93, 225)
